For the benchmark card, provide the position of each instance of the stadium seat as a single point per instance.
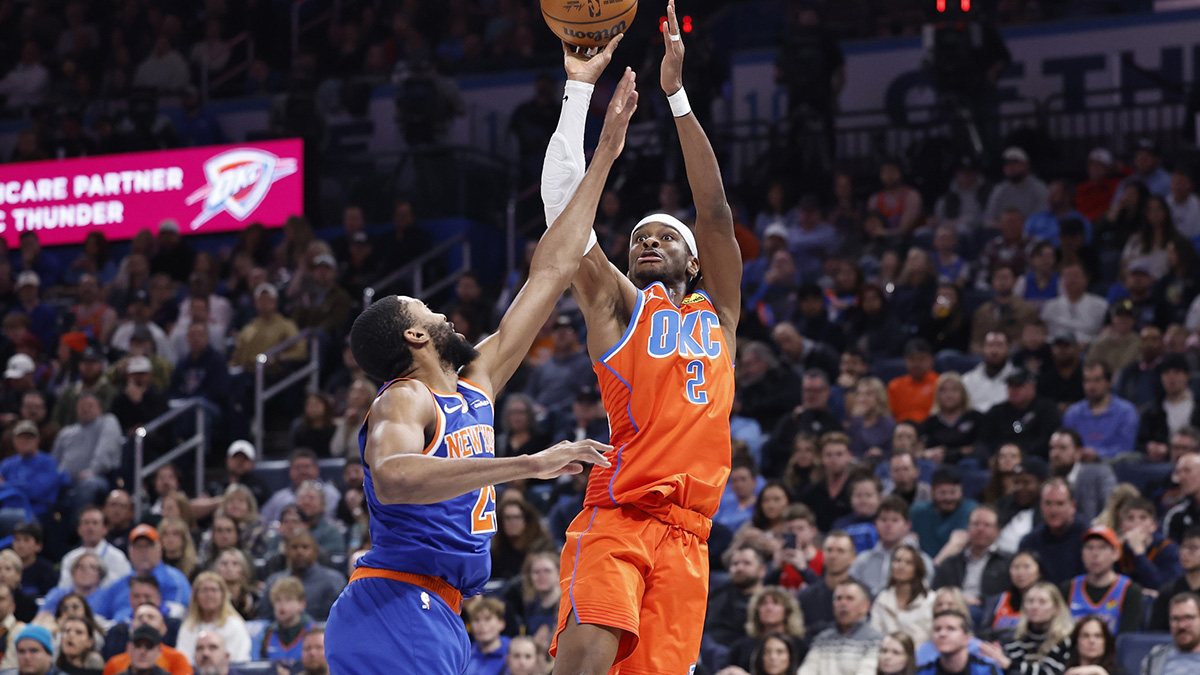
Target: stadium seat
(255, 668)
(974, 480)
(1141, 475)
(1133, 647)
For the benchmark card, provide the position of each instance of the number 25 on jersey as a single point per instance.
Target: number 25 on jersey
(483, 515)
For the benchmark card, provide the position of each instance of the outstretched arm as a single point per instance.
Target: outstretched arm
(720, 257)
(558, 253)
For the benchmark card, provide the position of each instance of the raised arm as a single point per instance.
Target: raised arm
(401, 420)
(558, 253)
(720, 257)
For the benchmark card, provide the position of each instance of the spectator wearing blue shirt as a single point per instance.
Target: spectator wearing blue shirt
(741, 492)
(1147, 170)
(1108, 424)
(489, 649)
(866, 492)
(935, 520)
(145, 555)
(1045, 224)
(774, 238)
(43, 319)
(813, 240)
(33, 472)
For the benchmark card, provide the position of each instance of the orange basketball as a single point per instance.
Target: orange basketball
(588, 23)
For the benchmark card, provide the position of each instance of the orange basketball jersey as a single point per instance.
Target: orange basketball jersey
(668, 390)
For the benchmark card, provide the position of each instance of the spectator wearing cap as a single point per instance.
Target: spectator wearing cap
(899, 203)
(1061, 380)
(1025, 419)
(268, 329)
(139, 324)
(145, 556)
(973, 560)
(322, 303)
(1020, 190)
(89, 449)
(92, 380)
(43, 319)
(986, 383)
(1100, 591)
(1147, 170)
(936, 520)
(239, 468)
(141, 400)
(813, 239)
(353, 224)
(911, 396)
(774, 239)
(1183, 202)
(18, 380)
(92, 315)
(586, 418)
(1119, 345)
(32, 472)
(1045, 224)
(1107, 423)
(1075, 309)
(1092, 482)
(1005, 312)
(172, 255)
(145, 649)
(119, 641)
(1140, 382)
(1058, 539)
(35, 651)
(1187, 580)
(1018, 510)
(553, 384)
(1176, 409)
(1093, 196)
(142, 345)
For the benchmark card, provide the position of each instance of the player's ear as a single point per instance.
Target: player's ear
(693, 267)
(416, 335)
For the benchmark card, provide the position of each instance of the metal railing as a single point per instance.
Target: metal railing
(262, 393)
(197, 442)
(415, 271)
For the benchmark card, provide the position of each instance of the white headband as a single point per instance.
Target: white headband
(671, 222)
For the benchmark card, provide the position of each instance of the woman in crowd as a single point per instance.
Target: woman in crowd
(905, 604)
(950, 431)
(210, 609)
(240, 504)
(1041, 644)
(77, 653)
(1175, 291)
(344, 442)
(87, 571)
(946, 325)
(1002, 465)
(1093, 649)
(896, 655)
(1125, 218)
(871, 422)
(520, 433)
(803, 467)
(175, 504)
(1110, 516)
(521, 532)
(314, 429)
(178, 549)
(772, 611)
(769, 508)
(235, 570)
(222, 535)
(1148, 246)
(540, 594)
(1002, 613)
(916, 290)
(11, 570)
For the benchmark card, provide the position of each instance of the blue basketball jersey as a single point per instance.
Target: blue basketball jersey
(449, 539)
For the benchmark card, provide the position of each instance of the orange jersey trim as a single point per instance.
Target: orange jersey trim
(434, 585)
(439, 431)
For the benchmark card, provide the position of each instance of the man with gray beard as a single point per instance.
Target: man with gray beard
(212, 656)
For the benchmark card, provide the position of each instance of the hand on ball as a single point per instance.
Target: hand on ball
(588, 69)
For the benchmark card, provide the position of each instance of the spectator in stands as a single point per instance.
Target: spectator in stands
(330, 537)
(1005, 312)
(175, 531)
(850, 646)
(93, 381)
(1146, 249)
(210, 610)
(200, 371)
(1040, 283)
(1186, 513)
(811, 416)
(871, 325)
(741, 495)
(1058, 540)
(586, 418)
(812, 319)
(219, 316)
(140, 324)
(813, 239)
(267, 330)
(865, 495)
(872, 566)
(18, 377)
(952, 637)
(212, 656)
(1140, 382)
(961, 207)
(728, 604)
(554, 383)
(146, 654)
(906, 603)
(86, 572)
(1092, 483)
(816, 600)
(92, 531)
(1181, 653)
(1106, 423)
(1002, 613)
(173, 255)
(34, 649)
(77, 649)
(141, 400)
(1125, 217)
(986, 384)
(314, 427)
(39, 575)
(974, 562)
(146, 558)
(407, 241)
(146, 599)
(911, 396)
(87, 450)
(302, 466)
(1045, 225)
(237, 572)
(141, 343)
(198, 313)
(1147, 166)
(1020, 190)
(801, 353)
(1042, 640)
(1075, 309)
(1186, 582)
(489, 648)
(92, 315)
(951, 268)
(43, 318)
(27, 84)
(31, 472)
(1011, 247)
(772, 612)
(164, 70)
(312, 659)
(321, 584)
(323, 304)
(1116, 598)
(871, 421)
(1176, 409)
(1184, 204)
(904, 479)
(829, 498)
(1061, 380)
(1120, 344)
(1146, 557)
(899, 203)
(934, 521)
(945, 325)
(1094, 196)
(1037, 417)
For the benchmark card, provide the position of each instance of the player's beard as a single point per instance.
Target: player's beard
(454, 351)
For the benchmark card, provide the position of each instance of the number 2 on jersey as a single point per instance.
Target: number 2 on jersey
(483, 516)
(694, 393)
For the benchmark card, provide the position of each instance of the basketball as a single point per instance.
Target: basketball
(588, 23)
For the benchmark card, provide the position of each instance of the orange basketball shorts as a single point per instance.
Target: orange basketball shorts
(627, 569)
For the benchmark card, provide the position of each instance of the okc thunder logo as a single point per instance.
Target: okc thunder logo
(238, 181)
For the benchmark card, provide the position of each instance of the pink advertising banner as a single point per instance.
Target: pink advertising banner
(218, 188)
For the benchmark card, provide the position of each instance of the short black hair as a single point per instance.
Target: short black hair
(377, 339)
(147, 580)
(31, 528)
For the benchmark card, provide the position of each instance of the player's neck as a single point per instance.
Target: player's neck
(435, 377)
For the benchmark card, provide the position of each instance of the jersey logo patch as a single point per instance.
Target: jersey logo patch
(424, 600)
(693, 299)
(480, 403)
(454, 409)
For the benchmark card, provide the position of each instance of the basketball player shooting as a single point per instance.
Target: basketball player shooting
(635, 563)
(427, 448)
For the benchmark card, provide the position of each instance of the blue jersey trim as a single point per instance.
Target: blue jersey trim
(617, 470)
(578, 547)
(633, 321)
(628, 404)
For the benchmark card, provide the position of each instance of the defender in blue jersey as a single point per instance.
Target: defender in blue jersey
(428, 452)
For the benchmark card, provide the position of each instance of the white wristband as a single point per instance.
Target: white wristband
(680, 107)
